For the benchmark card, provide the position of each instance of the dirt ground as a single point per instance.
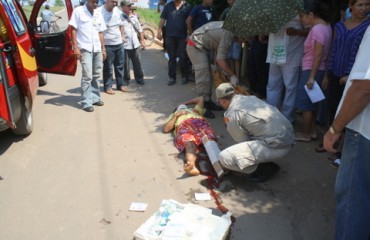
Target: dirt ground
(76, 175)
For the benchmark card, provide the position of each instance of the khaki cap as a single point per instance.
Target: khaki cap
(224, 89)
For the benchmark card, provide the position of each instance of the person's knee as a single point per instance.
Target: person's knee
(226, 158)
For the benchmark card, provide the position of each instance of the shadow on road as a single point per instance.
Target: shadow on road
(63, 100)
(7, 139)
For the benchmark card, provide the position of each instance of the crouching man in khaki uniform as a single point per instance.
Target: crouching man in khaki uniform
(262, 133)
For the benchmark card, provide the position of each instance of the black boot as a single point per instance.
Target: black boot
(264, 171)
(212, 106)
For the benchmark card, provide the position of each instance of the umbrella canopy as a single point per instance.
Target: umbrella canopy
(253, 17)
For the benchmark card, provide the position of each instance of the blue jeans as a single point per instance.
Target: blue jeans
(91, 64)
(176, 47)
(352, 189)
(135, 56)
(282, 83)
(115, 57)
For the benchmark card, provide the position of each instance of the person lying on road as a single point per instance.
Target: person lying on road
(189, 127)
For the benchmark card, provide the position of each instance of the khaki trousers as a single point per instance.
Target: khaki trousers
(245, 156)
(202, 67)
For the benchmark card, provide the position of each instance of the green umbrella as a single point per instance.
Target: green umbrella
(253, 17)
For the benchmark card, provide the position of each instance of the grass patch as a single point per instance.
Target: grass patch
(150, 16)
(28, 9)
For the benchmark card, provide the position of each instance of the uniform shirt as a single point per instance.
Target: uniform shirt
(113, 21)
(212, 36)
(131, 40)
(88, 28)
(360, 71)
(176, 19)
(249, 118)
(201, 15)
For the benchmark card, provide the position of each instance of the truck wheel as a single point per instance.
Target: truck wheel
(43, 80)
(24, 125)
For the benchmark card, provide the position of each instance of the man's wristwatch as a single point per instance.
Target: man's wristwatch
(332, 130)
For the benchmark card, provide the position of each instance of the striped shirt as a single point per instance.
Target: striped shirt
(344, 47)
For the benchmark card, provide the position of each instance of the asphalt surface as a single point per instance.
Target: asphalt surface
(76, 175)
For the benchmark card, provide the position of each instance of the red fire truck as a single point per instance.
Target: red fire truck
(25, 53)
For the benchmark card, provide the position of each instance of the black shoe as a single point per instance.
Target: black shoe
(171, 82)
(212, 106)
(140, 82)
(99, 103)
(209, 114)
(264, 172)
(89, 109)
(184, 81)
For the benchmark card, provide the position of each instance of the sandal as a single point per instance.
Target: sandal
(320, 148)
(191, 169)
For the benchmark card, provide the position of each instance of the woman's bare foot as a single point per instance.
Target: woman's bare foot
(191, 169)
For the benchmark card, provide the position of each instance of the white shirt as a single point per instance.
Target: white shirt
(132, 40)
(293, 44)
(112, 35)
(360, 71)
(88, 27)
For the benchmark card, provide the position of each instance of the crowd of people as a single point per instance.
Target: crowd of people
(108, 38)
(282, 68)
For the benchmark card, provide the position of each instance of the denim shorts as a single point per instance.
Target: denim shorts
(303, 102)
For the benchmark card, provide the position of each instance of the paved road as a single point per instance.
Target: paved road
(75, 176)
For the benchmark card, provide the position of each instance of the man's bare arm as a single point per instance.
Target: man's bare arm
(189, 25)
(356, 99)
(160, 25)
(198, 101)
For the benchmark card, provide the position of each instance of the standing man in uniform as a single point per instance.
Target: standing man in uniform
(209, 37)
(88, 42)
(263, 134)
(174, 15)
(133, 44)
(352, 187)
(114, 36)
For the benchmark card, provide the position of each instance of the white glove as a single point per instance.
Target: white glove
(234, 80)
